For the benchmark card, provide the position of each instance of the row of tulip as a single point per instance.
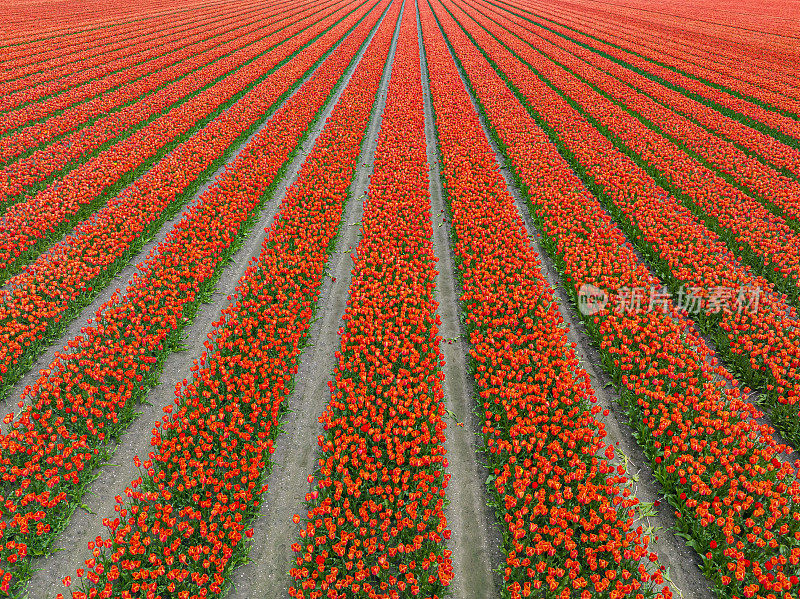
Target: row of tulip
(24, 107)
(735, 498)
(375, 525)
(711, 51)
(774, 123)
(39, 302)
(23, 57)
(764, 240)
(30, 225)
(738, 83)
(88, 394)
(785, 127)
(71, 86)
(180, 64)
(95, 63)
(779, 192)
(125, 112)
(755, 143)
(81, 24)
(202, 483)
(567, 522)
(763, 344)
(674, 43)
(709, 47)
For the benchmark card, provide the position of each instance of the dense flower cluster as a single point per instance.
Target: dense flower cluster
(43, 297)
(662, 107)
(48, 73)
(749, 228)
(738, 76)
(71, 36)
(719, 99)
(375, 525)
(759, 231)
(736, 499)
(29, 222)
(84, 94)
(764, 345)
(88, 393)
(567, 520)
(753, 141)
(191, 506)
(87, 127)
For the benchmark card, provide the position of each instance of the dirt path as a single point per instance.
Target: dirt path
(476, 539)
(125, 276)
(683, 563)
(71, 327)
(123, 279)
(266, 574)
(70, 549)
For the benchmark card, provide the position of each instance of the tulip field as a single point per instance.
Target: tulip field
(400, 298)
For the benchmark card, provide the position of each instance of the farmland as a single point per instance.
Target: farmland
(400, 298)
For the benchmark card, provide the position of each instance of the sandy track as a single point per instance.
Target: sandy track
(683, 563)
(70, 549)
(295, 457)
(476, 539)
(181, 205)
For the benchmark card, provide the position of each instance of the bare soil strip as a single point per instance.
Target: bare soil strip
(270, 556)
(71, 550)
(125, 277)
(682, 563)
(476, 539)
